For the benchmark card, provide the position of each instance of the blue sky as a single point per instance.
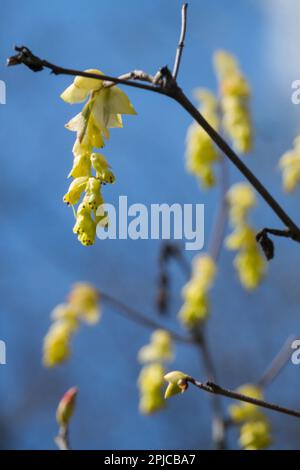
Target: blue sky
(41, 258)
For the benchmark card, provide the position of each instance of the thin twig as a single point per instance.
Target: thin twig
(62, 439)
(215, 246)
(181, 41)
(26, 57)
(133, 75)
(211, 387)
(139, 318)
(218, 422)
(217, 236)
(278, 363)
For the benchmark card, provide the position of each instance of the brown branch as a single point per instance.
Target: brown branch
(139, 318)
(211, 387)
(165, 84)
(180, 97)
(181, 41)
(26, 57)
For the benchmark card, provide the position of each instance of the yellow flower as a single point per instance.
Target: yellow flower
(249, 261)
(254, 426)
(201, 153)
(81, 88)
(82, 305)
(159, 349)
(235, 94)
(242, 237)
(84, 299)
(195, 308)
(57, 343)
(81, 166)
(240, 412)
(289, 165)
(177, 383)
(67, 314)
(240, 198)
(93, 197)
(251, 267)
(75, 190)
(255, 435)
(85, 226)
(151, 382)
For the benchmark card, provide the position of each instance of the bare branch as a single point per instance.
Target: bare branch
(181, 41)
(26, 57)
(211, 387)
(165, 84)
(141, 319)
(62, 439)
(240, 165)
(217, 236)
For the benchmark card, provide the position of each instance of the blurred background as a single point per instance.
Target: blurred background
(41, 258)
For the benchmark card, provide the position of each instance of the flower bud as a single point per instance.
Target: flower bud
(66, 407)
(178, 383)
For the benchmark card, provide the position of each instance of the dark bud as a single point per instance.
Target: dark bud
(169, 250)
(26, 57)
(266, 244)
(162, 301)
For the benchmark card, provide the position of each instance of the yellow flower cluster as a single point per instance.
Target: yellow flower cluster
(102, 111)
(159, 348)
(201, 154)
(151, 378)
(195, 293)
(235, 93)
(249, 261)
(254, 425)
(82, 305)
(151, 382)
(289, 165)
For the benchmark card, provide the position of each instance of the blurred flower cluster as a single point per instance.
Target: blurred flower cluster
(201, 153)
(151, 379)
(253, 424)
(289, 165)
(195, 308)
(82, 306)
(235, 94)
(249, 261)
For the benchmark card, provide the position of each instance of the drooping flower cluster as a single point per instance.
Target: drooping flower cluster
(253, 424)
(90, 171)
(82, 305)
(249, 261)
(289, 165)
(151, 379)
(235, 93)
(201, 153)
(195, 309)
